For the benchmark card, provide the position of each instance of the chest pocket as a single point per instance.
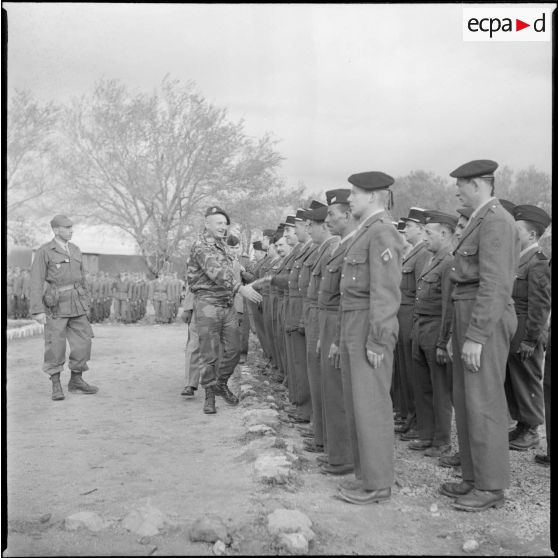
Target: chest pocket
(330, 279)
(520, 285)
(58, 265)
(467, 262)
(432, 284)
(408, 282)
(356, 268)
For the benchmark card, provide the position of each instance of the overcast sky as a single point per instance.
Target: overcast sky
(346, 88)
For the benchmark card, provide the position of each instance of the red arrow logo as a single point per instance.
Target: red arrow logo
(519, 25)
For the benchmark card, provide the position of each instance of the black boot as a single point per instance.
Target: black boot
(57, 393)
(77, 384)
(222, 389)
(209, 405)
(520, 427)
(528, 439)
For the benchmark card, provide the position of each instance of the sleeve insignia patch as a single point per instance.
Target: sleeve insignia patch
(386, 255)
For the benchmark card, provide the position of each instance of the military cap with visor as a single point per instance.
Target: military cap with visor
(257, 245)
(340, 195)
(318, 214)
(216, 210)
(60, 221)
(475, 169)
(434, 216)
(300, 214)
(416, 214)
(290, 221)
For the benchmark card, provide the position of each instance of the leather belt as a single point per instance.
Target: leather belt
(66, 288)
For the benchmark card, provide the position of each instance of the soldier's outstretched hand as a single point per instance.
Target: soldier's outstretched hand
(247, 291)
(375, 359)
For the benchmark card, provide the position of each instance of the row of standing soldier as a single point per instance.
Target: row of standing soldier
(337, 308)
(18, 284)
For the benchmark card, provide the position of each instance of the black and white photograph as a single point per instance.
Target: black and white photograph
(277, 279)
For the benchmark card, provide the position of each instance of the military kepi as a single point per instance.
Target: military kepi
(533, 214)
(341, 195)
(372, 180)
(215, 210)
(318, 213)
(475, 169)
(60, 221)
(416, 214)
(441, 217)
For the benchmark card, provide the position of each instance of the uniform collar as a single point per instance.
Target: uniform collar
(534, 247)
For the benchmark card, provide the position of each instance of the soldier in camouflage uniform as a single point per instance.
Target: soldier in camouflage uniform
(211, 280)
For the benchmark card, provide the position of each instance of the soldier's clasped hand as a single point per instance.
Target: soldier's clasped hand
(247, 291)
(41, 318)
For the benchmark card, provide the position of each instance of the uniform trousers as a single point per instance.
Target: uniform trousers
(339, 450)
(193, 366)
(433, 403)
(219, 334)
(301, 388)
(280, 336)
(407, 378)
(479, 399)
(368, 404)
(547, 395)
(524, 384)
(78, 332)
(312, 331)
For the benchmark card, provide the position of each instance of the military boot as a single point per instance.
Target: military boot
(57, 393)
(209, 405)
(528, 439)
(222, 389)
(77, 384)
(517, 431)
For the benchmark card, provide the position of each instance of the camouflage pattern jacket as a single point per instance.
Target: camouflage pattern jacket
(210, 271)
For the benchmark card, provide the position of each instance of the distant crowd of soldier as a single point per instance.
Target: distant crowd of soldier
(18, 289)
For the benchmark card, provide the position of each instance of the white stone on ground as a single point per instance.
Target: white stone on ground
(209, 528)
(289, 521)
(146, 521)
(85, 519)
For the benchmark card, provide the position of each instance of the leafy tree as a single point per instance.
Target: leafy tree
(151, 163)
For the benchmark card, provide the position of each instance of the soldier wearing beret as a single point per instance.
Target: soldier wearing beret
(211, 279)
(430, 335)
(341, 222)
(484, 322)
(412, 266)
(370, 298)
(60, 300)
(532, 298)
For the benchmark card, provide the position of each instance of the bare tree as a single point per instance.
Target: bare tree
(31, 135)
(148, 163)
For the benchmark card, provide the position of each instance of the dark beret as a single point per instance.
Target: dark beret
(60, 221)
(319, 214)
(257, 245)
(441, 217)
(533, 214)
(372, 180)
(474, 169)
(268, 232)
(508, 206)
(416, 214)
(290, 221)
(215, 210)
(341, 195)
(465, 212)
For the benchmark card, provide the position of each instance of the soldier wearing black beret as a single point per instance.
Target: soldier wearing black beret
(484, 322)
(532, 298)
(370, 298)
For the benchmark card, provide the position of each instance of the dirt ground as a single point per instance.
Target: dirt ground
(138, 441)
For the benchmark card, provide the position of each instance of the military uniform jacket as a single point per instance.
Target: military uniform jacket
(434, 290)
(210, 271)
(281, 278)
(323, 254)
(485, 262)
(412, 266)
(371, 276)
(329, 295)
(53, 265)
(532, 297)
(307, 248)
